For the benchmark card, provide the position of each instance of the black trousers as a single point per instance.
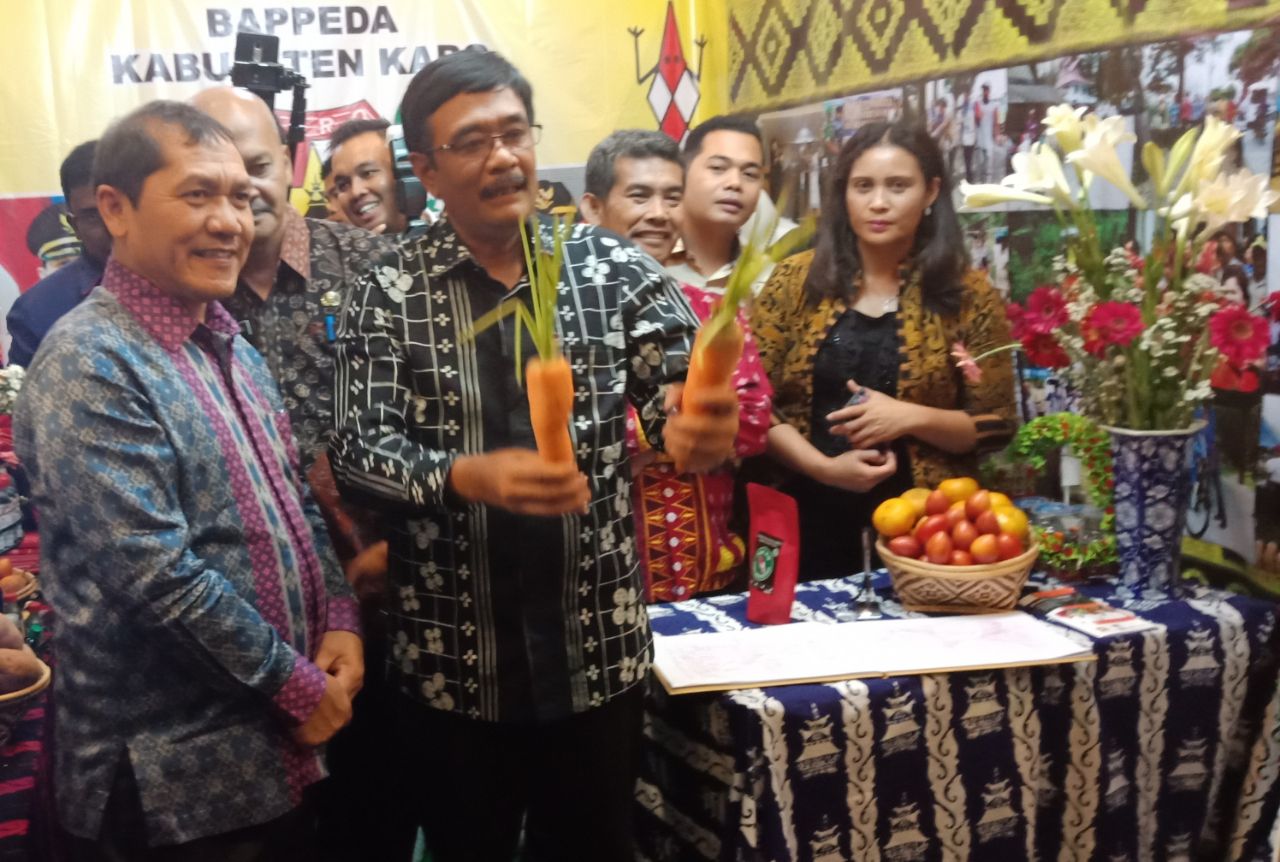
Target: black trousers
(362, 815)
(570, 782)
(290, 838)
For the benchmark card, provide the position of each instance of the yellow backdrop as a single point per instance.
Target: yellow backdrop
(70, 66)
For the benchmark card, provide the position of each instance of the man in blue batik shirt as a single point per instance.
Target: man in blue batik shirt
(207, 641)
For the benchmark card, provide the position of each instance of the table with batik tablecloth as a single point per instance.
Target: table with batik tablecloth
(1166, 748)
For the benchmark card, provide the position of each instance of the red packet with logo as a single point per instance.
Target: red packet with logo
(774, 555)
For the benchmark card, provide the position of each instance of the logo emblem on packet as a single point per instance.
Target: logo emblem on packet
(774, 555)
(765, 562)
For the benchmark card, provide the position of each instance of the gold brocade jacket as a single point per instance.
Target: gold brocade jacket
(789, 331)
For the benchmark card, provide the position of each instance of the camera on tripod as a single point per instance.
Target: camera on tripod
(257, 68)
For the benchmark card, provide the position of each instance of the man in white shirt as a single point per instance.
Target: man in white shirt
(724, 173)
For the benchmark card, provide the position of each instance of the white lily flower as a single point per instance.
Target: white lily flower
(980, 195)
(1206, 158)
(1039, 170)
(1179, 215)
(1098, 155)
(1239, 197)
(1063, 121)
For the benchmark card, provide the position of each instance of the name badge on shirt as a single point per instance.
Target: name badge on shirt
(330, 301)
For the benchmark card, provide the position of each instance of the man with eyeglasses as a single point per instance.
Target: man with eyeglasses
(518, 633)
(36, 310)
(364, 183)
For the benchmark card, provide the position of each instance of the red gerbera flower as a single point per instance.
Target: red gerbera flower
(1044, 351)
(1239, 336)
(1046, 311)
(1273, 306)
(1110, 323)
(1014, 314)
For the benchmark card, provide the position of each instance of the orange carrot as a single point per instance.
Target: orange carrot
(548, 378)
(717, 349)
(550, 386)
(715, 356)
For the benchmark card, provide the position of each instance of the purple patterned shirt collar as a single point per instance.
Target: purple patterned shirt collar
(161, 314)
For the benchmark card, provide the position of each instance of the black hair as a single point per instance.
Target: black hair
(354, 129)
(1259, 260)
(720, 123)
(1220, 253)
(627, 144)
(1236, 271)
(128, 152)
(77, 168)
(939, 251)
(326, 168)
(473, 70)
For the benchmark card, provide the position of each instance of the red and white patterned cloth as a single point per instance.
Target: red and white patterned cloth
(682, 520)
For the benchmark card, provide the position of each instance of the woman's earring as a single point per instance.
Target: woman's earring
(928, 210)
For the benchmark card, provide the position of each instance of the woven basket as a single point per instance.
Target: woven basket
(958, 589)
(15, 704)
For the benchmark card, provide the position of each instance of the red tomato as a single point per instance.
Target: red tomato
(955, 514)
(978, 502)
(1008, 546)
(905, 546)
(987, 523)
(938, 548)
(961, 558)
(936, 503)
(930, 525)
(963, 534)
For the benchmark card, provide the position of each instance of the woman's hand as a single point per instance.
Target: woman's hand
(859, 470)
(877, 421)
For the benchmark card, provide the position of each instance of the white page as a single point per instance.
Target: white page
(812, 651)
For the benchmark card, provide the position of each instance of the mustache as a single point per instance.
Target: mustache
(259, 206)
(506, 185)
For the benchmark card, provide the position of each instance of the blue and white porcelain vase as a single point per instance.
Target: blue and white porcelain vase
(1152, 491)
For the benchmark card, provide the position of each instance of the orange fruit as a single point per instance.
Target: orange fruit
(1012, 520)
(998, 500)
(894, 517)
(985, 549)
(958, 489)
(916, 497)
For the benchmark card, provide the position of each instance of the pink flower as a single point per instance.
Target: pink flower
(1240, 337)
(1044, 351)
(965, 362)
(1046, 311)
(1110, 324)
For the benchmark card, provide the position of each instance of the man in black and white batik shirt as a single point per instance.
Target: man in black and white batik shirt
(518, 630)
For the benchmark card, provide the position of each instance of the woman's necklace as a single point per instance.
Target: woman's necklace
(880, 303)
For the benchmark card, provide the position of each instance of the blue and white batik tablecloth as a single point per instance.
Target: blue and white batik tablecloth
(1167, 748)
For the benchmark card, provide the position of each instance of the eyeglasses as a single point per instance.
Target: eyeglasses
(86, 217)
(479, 146)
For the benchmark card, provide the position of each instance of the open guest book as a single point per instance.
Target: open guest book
(808, 652)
